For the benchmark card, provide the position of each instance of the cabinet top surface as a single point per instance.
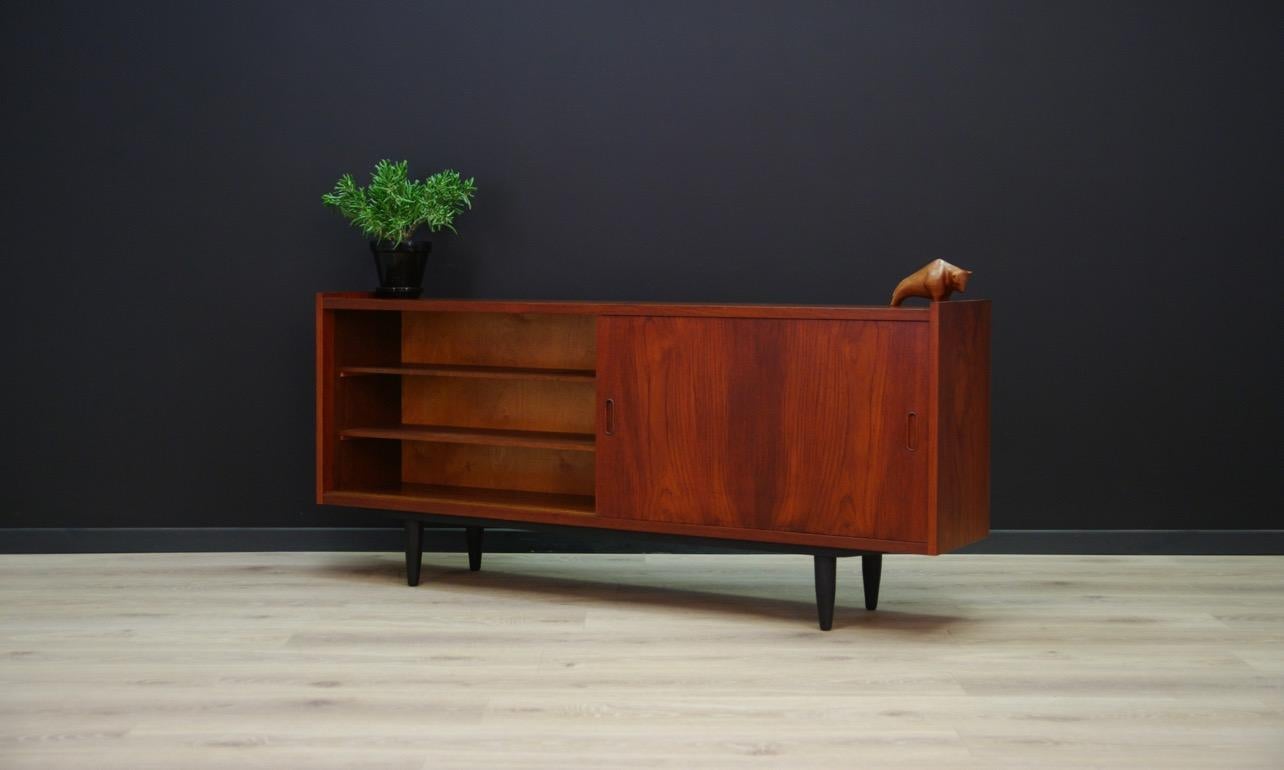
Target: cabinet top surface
(368, 301)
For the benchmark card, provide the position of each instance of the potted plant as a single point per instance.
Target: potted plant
(391, 209)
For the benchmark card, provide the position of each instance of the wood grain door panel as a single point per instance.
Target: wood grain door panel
(774, 424)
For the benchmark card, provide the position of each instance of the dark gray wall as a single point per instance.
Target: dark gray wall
(1110, 170)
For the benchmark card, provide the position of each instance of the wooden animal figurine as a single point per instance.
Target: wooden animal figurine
(934, 281)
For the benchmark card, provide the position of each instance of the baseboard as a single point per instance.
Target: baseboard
(1194, 542)
(198, 539)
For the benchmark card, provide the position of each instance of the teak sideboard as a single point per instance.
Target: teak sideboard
(830, 431)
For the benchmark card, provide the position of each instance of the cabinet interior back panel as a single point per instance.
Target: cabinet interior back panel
(544, 405)
(499, 339)
(497, 467)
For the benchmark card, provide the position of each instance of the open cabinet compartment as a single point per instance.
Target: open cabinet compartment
(492, 409)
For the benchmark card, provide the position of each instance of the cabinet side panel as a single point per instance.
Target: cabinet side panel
(325, 434)
(961, 348)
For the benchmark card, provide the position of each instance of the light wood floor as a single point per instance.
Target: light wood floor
(326, 660)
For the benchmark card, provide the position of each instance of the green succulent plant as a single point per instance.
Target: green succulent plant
(392, 207)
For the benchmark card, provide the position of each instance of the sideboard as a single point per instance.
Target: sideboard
(828, 431)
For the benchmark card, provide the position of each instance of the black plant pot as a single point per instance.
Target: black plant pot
(401, 270)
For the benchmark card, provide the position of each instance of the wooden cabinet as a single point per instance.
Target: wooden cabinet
(826, 430)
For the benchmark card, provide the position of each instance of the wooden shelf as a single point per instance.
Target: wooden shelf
(451, 499)
(481, 372)
(577, 442)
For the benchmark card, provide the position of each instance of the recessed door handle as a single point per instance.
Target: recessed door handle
(610, 417)
(911, 431)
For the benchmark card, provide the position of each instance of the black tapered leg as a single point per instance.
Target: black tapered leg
(871, 570)
(414, 550)
(826, 574)
(474, 547)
